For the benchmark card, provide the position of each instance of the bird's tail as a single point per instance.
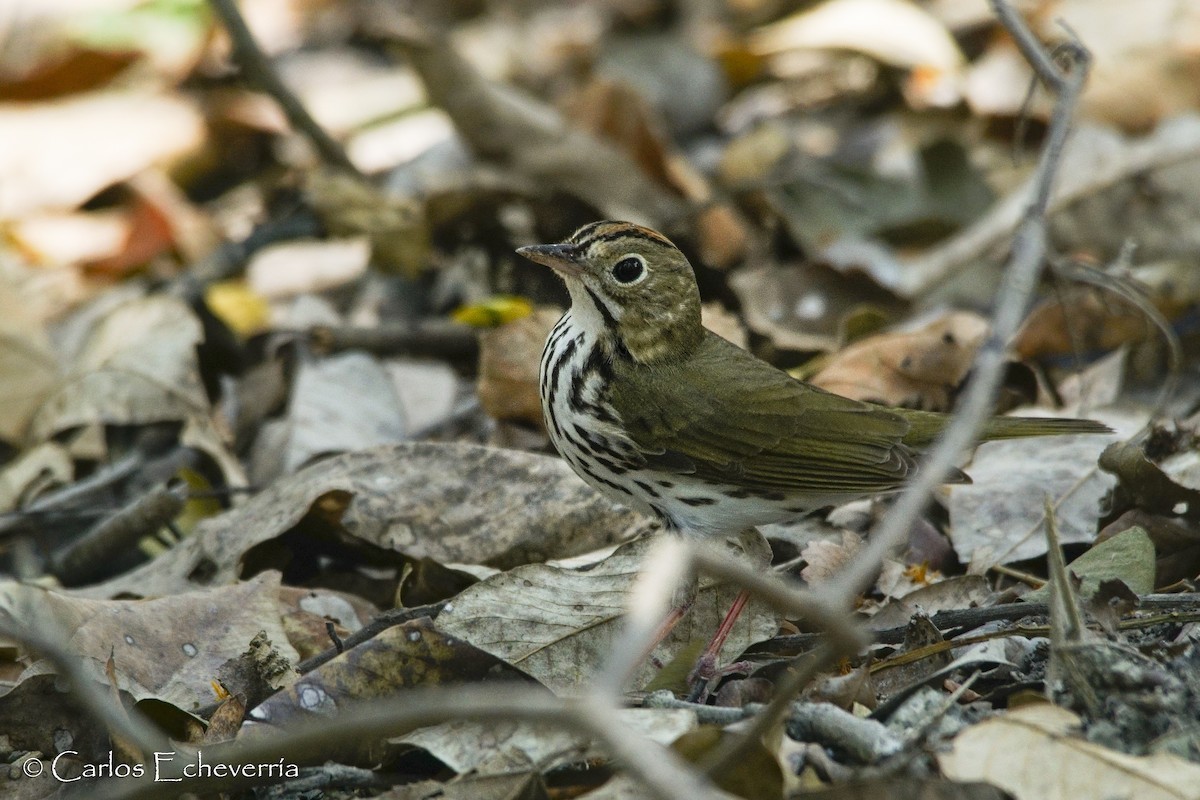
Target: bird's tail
(1018, 427)
(926, 425)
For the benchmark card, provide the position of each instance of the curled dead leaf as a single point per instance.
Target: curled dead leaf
(915, 369)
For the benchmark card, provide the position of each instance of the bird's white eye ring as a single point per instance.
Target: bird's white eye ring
(630, 270)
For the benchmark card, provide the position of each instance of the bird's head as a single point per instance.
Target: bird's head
(630, 286)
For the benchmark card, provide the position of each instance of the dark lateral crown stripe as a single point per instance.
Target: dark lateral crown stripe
(597, 232)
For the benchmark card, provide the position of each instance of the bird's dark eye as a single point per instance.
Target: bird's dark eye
(629, 269)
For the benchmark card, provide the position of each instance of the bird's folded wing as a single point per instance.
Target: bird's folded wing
(726, 416)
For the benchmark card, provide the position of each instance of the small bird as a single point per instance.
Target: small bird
(659, 413)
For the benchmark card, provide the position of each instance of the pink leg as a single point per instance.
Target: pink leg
(718, 640)
(706, 665)
(664, 630)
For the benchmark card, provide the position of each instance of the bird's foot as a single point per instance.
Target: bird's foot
(706, 671)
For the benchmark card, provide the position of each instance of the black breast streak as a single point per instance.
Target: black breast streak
(557, 367)
(610, 323)
(648, 489)
(698, 501)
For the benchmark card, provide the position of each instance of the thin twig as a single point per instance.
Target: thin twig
(661, 771)
(378, 624)
(1030, 47)
(88, 557)
(260, 73)
(1020, 279)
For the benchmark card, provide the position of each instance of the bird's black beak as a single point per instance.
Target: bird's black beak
(562, 258)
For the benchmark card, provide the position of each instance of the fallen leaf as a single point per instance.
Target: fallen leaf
(756, 774)
(339, 403)
(1153, 45)
(242, 309)
(825, 559)
(993, 521)
(1034, 752)
(559, 624)
(893, 31)
(58, 155)
(453, 503)
(505, 746)
(299, 266)
(509, 357)
(415, 653)
(166, 649)
(1128, 556)
(912, 369)
(28, 367)
(1143, 484)
(958, 592)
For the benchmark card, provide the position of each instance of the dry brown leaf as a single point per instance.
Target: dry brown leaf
(168, 648)
(993, 521)
(508, 367)
(1089, 321)
(454, 503)
(1035, 753)
(58, 155)
(559, 624)
(1134, 46)
(28, 367)
(894, 32)
(138, 365)
(306, 613)
(961, 591)
(506, 746)
(756, 774)
(415, 653)
(618, 113)
(914, 369)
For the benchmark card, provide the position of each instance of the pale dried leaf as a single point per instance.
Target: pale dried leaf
(449, 502)
(512, 745)
(168, 648)
(299, 266)
(1148, 44)
(895, 32)
(137, 366)
(57, 155)
(1035, 753)
(41, 467)
(559, 625)
(826, 559)
(339, 403)
(993, 521)
(28, 367)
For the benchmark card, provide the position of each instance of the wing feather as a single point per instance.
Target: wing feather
(726, 416)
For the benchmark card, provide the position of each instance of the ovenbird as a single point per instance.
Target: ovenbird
(657, 412)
